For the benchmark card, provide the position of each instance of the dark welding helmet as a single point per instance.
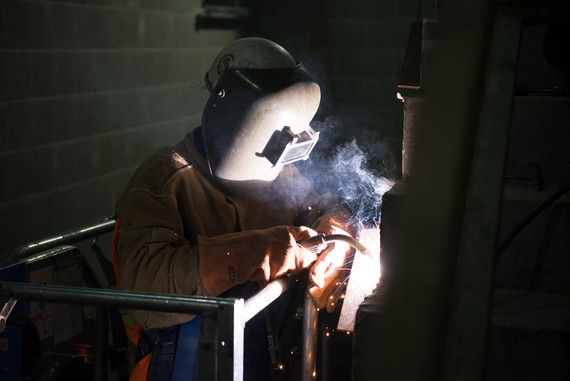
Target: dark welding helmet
(258, 114)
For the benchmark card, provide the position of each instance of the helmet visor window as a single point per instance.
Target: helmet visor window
(285, 147)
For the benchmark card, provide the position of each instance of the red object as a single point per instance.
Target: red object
(82, 350)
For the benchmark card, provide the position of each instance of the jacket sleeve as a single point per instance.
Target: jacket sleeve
(154, 255)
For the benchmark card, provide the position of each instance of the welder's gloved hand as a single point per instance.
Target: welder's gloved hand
(256, 255)
(329, 275)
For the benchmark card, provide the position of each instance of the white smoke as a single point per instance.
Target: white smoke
(357, 172)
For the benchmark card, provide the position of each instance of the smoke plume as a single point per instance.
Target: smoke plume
(357, 170)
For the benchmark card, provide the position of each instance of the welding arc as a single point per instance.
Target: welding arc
(319, 242)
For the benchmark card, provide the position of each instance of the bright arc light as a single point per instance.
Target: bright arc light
(364, 277)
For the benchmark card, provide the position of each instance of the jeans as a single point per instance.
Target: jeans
(175, 352)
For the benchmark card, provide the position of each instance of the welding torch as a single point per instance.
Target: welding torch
(319, 242)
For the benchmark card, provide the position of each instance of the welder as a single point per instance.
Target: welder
(221, 212)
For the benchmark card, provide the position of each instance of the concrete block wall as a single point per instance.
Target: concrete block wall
(87, 90)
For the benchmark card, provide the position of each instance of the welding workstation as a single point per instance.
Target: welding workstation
(439, 130)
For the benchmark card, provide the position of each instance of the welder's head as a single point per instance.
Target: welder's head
(257, 117)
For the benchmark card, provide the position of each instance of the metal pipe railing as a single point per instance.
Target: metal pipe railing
(266, 296)
(63, 239)
(230, 315)
(112, 298)
(310, 321)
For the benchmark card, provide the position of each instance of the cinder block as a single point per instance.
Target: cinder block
(172, 5)
(137, 107)
(95, 150)
(86, 115)
(51, 174)
(17, 170)
(3, 127)
(183, 33)
(136, 147)
(210, 38)
(53, 73)
(168, 103)
(85, 203)
(189, 66)
(156, 67)
(160, 67)
(156, 29)
(5, 232)
(172, 132)
(81, 204)
(111, 152)
(73, 116)
(156, 4)
(33, 219)
(29, 25)
(114, 3)
(31, 123)
(86, 27)
(106, 70)
(86, 154)
(62, 165)
(3, 22)
(15, 75)
(117, 182)
(110, 112)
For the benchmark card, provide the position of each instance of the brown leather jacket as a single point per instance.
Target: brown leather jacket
(171, 199)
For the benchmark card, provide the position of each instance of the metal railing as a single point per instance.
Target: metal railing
(82, 234)
(223, 319)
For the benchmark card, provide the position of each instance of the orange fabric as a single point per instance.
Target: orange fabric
(139, 372)
(134, 333)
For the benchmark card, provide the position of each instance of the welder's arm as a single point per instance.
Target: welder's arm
(257, 255)
(154, 257)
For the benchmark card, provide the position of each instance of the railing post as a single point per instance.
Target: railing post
(309, 361)
(207, 366)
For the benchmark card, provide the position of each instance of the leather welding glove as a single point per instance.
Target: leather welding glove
(256, 255)
(329, 275)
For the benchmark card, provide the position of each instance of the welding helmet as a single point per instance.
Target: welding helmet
(257, 117)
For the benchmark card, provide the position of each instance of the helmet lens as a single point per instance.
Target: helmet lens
(285, 147)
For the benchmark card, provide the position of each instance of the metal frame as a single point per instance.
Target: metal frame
(220, 348)
(223, 320)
